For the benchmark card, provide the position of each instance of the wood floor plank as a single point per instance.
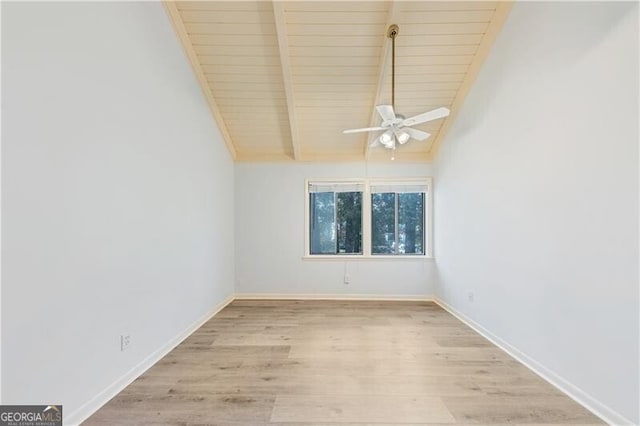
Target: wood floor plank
(360, 408)
(267, 384)
(293, 362)
(555, 409)
(248, 409)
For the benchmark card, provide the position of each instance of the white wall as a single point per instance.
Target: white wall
(117, 197)
(536, 203)
(270, 237)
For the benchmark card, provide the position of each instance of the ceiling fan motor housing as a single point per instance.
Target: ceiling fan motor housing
(396, 122)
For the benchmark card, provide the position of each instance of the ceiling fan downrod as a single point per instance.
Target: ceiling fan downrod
(392, 32)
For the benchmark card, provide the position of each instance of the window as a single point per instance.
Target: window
(397, 219)
(335, 211)
(368, 218)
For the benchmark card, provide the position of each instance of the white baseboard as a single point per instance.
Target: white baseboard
(307, 296)
(90, 407)
(581, 397)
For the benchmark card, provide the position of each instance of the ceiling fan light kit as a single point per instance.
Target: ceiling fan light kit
(396, 127)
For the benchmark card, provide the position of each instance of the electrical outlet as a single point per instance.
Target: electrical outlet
(470, 296)
(347, 279)
(125, 342)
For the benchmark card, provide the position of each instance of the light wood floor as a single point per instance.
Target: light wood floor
(330, 362)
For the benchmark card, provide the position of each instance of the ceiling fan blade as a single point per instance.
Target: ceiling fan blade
(364, 129)
(416, 134)
(427, 116)
(386, 112)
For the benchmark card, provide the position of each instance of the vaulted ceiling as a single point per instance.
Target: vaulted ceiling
(283, 79)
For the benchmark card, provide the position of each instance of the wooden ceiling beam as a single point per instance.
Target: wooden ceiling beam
(285, 63)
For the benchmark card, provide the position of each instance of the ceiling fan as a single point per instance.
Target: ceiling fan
(396, 127)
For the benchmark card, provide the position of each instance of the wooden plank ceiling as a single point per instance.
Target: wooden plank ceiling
(283, 79)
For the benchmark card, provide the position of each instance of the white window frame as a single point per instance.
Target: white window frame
(366, 219)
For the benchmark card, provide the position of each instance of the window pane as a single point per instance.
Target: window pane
(349, 222)
(323, 236)
(383, 223)
(411, 223)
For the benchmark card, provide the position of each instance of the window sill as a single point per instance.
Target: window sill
(363, 258)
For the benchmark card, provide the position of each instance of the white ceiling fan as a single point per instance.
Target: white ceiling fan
(396, 127)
